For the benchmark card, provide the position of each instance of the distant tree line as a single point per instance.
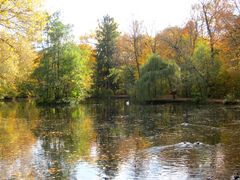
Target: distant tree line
(198, 60)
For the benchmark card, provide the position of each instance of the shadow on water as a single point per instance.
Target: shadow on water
(110, 140)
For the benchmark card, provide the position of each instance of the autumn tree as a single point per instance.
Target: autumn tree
(178, 44)
(132, 52)
(21, 24)
(229, 48)
(170, 42)
(213, 17)
(141, 44)
(21, 17)
(218, 22)
(230, 43)
(136, 38)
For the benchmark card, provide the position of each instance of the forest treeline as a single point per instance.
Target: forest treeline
(39, 57)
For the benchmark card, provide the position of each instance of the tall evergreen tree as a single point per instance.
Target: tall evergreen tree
(106, 36)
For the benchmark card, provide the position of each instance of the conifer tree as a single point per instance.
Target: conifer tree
(106, 36)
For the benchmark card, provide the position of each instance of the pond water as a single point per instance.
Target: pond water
(110, 140)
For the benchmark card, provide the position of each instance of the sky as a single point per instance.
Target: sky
(155, 14)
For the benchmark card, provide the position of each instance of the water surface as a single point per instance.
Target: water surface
(109, 140)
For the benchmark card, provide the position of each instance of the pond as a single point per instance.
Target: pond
(111, 140)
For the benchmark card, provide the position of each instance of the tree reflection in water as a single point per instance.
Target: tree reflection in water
(114, 141)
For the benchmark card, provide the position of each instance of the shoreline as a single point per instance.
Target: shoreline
(191, 100)
(149, 102)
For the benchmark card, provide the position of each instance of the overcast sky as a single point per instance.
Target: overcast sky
(156, 14)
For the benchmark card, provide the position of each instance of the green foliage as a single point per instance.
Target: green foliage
(158, 78)
(56, 32)
(116, 74)
(222, 85)
(106, 36)
(27, 88)
(200, 72)
(64, 73)
(74, 77)
(124, 79)
(104, 93)
(129, 79)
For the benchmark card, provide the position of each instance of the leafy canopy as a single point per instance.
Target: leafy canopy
(64, 73)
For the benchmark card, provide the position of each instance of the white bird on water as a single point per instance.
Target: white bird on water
(127, 103)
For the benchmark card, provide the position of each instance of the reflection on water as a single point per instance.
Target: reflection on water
(109, 140)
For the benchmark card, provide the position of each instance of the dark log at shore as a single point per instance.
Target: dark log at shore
(163, 101)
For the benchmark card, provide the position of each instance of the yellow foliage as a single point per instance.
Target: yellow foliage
(22, 17)
(16, 64)
(21, 23)
(92, 53)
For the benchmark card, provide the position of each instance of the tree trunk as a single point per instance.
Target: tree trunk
(211, 41)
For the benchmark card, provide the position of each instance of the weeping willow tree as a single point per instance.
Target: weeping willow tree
(158, 77)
